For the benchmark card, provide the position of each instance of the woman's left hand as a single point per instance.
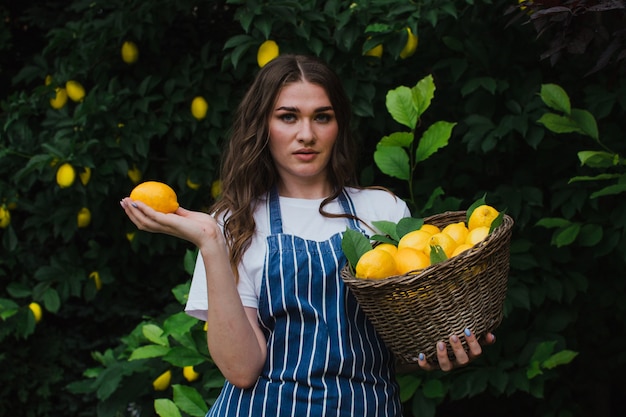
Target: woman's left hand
(462, 356)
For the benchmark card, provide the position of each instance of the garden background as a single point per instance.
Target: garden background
(112, 297)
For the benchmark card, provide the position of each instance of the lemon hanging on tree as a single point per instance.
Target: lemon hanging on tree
(83, 218)
(410, 46)
(267, 51)
(199, 107)
(66, 174)
(130, 52)
(162, 382)
(59, 99)
(5, 217)
(75, 90)
(36, 310)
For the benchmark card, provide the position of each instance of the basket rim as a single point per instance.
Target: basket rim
(501, 232)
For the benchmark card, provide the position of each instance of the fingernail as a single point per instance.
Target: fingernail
(467, 332)
(421, 356)
(134, 204)
(441, 346)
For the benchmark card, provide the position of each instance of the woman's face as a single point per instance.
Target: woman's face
(303, 131)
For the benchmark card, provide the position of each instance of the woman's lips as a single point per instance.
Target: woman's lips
(305, 155)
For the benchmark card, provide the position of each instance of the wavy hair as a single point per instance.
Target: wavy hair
(248, 170)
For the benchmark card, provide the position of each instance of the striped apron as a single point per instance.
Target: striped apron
(324, 357)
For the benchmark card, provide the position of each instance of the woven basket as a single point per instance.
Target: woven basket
(413, 312)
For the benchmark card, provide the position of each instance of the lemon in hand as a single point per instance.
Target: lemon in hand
(160, 196)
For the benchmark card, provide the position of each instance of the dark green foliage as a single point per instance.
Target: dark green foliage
(559, 350)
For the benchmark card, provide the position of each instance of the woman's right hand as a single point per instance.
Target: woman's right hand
(193, 226)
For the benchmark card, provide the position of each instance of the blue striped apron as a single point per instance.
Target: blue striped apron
(324, 357)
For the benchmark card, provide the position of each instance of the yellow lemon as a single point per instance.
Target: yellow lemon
(130, 53)
(416, 239)
(60, 98)
(75, 90)
(190, 374)
(376, 51)
(216, 188)
(444, 240)
(376, 264)
(48, 80)
(85, 175)
(458, 232)
(83, 218)
(408, 259)
(461, 248)
(430, 228)
(162, 382)
(191, 184)
(267, 51)
(95, 275)
(160, 196)
(410, 46)
(134, 174)
(66, 174)
(199, 107)
(387, 247)
(37, 312)
(477, 235)
(482, 216)
(5, 217)
(130, 236)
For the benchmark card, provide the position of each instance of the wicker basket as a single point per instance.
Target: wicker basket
(413, 312)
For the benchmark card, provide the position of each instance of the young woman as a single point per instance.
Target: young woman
(288, 336)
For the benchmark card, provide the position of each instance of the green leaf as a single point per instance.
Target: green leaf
(155, 334)
(555, 97)
(354, 245)
(559, 124)
(181, 356)
(437, 254)
(567, 236)
(408, 386)
(596, 159)
(149, 351)
(399, 104)
(610, 190)
(422, 94)
(586, 122)
(590, 235)
(407, 225)
(433, 139)
(402, 139)
(165, 407)
(560, 358)
(553, 222)
(434, 388)
(189, 400)
(393, 161)
(386, 228)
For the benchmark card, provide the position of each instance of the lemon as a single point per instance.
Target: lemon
(5, 217)
(83, 218)
(85, 175)
(482, 215)
(75, 90)
(48, 80)
(416, 239)
(477, 235)
(458, 231)
(206, 326)
(37, 312)
(95, 275)
(216, 188)
(60, 98)
(134, 174)
(410, 46)
(66, 174)
(130, 53)
(461, 248)
(375, 264)
(160, 196)
(130, 236)
(376, 51)
(199, 107)
(387, 247)
(430, 228)
(191, 184)
(267, 51)
(408, 259)
(447, 243)
(190, 374)
(162, 382)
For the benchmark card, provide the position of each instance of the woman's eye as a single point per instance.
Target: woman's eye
(287, 117)
(323, 117)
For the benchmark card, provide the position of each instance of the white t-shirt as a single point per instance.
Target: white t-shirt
(300, 217)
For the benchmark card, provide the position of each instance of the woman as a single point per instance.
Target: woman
(285, 332)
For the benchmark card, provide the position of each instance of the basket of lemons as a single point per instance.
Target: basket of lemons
(425, 279)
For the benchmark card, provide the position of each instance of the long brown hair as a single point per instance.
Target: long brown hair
(248, 171)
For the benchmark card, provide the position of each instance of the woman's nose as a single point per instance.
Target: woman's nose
(305, 132)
